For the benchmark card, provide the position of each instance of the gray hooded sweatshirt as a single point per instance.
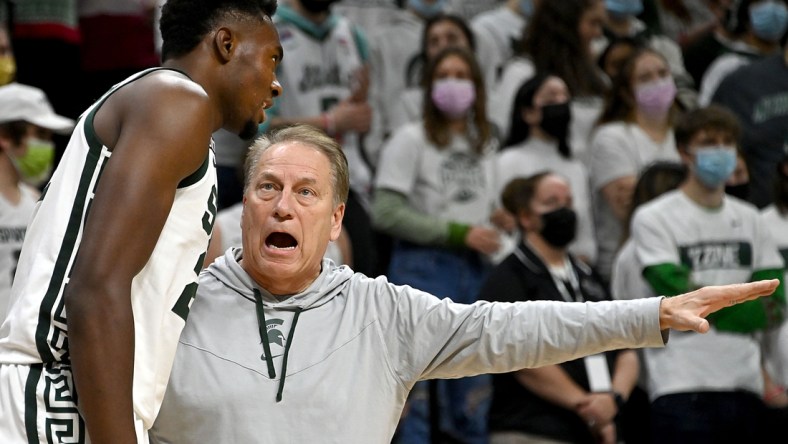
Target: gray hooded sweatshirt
(342, 356)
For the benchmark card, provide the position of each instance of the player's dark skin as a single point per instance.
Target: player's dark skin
(158, 129)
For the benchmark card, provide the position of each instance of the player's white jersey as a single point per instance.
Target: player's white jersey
(13, 223)
(35, 330)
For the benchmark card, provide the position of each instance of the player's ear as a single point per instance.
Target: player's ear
(224, 43)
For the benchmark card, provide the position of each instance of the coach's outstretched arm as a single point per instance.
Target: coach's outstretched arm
(688, 311)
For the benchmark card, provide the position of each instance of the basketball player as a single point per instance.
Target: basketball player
(110, 260)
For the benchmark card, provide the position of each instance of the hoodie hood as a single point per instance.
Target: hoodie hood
(329, 283)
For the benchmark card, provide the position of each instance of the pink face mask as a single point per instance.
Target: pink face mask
(453, 97)
(655, 98)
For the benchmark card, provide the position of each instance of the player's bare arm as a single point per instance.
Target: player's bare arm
(158, 130)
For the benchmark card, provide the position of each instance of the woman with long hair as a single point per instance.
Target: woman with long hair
(557, 39)
(434, 195)
(635, 129)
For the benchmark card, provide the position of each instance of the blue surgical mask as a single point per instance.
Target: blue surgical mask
(624, 8)
(769, 20)
(714, 164)
(527, 7)
(427, 10)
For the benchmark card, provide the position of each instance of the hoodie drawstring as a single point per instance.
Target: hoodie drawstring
(258, 303)
(287, 351)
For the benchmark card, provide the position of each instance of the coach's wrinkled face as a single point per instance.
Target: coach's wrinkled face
(289, 217)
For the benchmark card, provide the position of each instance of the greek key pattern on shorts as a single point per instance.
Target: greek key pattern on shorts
(62, 422)
(59, 339)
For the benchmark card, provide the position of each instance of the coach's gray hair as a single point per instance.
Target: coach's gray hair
(307, 135)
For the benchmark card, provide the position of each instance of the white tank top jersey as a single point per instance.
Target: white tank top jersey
(35, 330)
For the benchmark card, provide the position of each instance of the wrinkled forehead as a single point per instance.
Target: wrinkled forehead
(295, 154)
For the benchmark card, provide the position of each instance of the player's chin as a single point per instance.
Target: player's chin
(248, 130)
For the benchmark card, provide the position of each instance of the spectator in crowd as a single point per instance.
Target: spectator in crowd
(775, 217)
(635, 129)
(440, 31)
(760, 28)
(615, 54)
(755, 94)
(7, 60)
(46, 40)
(709, 388)
(469, 10)
(539, 140)
(738, 185)
(504, 24)
(435, 197)
(687, 21)
(699, 54)
(557, 40)
(27, 156)
(622, 21)
(577, 401)
(368, 14)
(626, 283)
(392, 48)
(329, 63)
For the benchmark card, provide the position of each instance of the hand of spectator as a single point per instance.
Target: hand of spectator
(351, 116)
(597, 409)
(688, 311)
(503, 220)
(359, 85)
(605, 434)
(482, 239)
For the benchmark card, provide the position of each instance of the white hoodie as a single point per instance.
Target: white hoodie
(351, 348)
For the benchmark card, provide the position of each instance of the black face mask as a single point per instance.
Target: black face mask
(316, 6)
(559, 227)
(742, 191)
(555, 122)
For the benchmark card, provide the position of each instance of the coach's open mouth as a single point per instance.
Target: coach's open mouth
(282, 241)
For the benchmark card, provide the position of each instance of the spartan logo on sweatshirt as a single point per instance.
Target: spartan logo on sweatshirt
(276, 339)
(463, 177)
(719, 255)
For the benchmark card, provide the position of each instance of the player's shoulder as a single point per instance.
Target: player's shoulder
(171, 82)
(162, 90)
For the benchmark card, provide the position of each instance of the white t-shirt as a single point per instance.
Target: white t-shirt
(719, 246)
(392, 47)
(619, 150)
(13, 223)
(503, 27)
(536, 155)
(453, 183)
(776, 349)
